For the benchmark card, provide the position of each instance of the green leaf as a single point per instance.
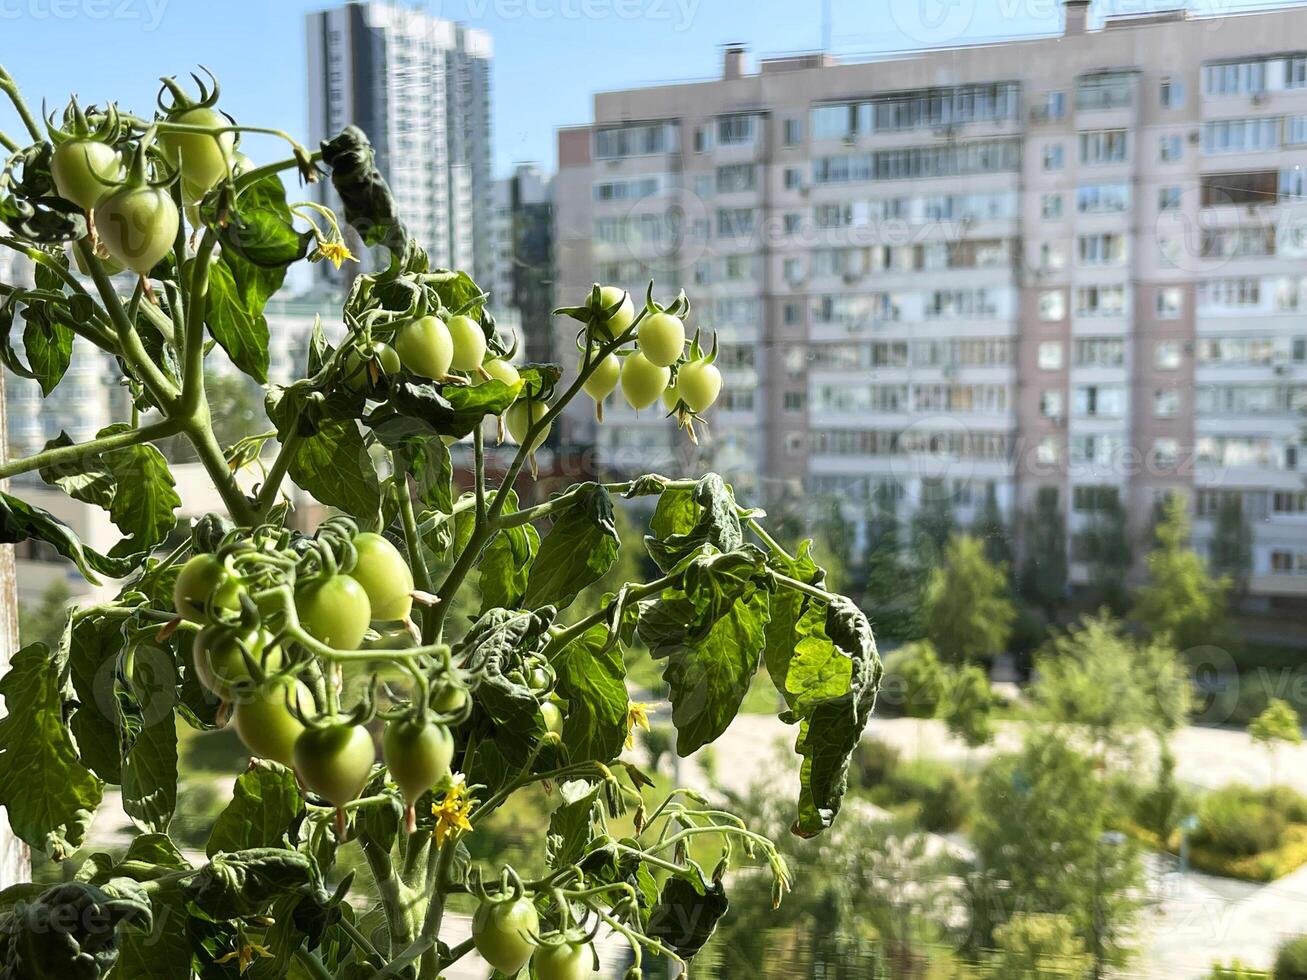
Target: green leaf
(50, 796)
(259, 228)
(506, 563)
(238, 293)
(49, 345)
(580, 547)
(94, 643)
(432, 472)
(20, 521)
(716, 523)
(87, 479)
(162, 952)
(266, 801)
(593, 681)
(571, 825)
(686, 914)
(334, 466)
(150, 775)
(457, 292)
(145, 499)
(426, 410)
(244, 883)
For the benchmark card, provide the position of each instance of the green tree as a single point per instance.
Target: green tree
(1180, 599)
(1277, 725)
(1108, 688)
(835, 534)
(43, 621)
(1043, 577)
(889, 579)
(1291, 959)
(1040, 833)
(933, 523)
(914, 680)
(1106, 542)
(967, 706)
(1038, 946)
(1231, 550)
(965, 609)
(992, 530)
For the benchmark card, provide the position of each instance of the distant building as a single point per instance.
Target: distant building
(419, 87)
(521, 283)
(1070, 263)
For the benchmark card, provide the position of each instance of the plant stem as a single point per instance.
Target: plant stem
(193, 349)
(64, 455)
(388, 887)
(8, 143)
(199, 433)
(479, 484)
(435, 909)
(314, 965)
(10, 88)
(276, 474)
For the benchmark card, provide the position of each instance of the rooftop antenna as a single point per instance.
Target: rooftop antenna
(825, 26)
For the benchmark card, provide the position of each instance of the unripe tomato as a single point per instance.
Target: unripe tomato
(137, 225)
(519, 418)
(620, 320)
(603, 379)
(501, 370)
(85, 171)
(661, 338)
(220, 663)
(563, 961)
(335, 611)
(502, 930)
(359, 367)
(469, 343)
(384, 575)
(265, 722)
(425, 347)
(643, 381)
(539, 680)
(552, 716)
(335, 761)
(202, 158)
(671, 397)
(450, 699)
(418, 755)
(202, 578)
(699, 384)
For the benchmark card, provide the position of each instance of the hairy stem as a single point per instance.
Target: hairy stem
(65, 455)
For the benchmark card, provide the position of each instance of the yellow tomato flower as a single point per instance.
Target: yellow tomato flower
(637, 713)
(452, 811)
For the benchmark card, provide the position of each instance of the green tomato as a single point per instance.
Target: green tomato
(335, 611)
(418, 755)
(265, 722)
(563, 961)
(220, 662)
(202, 578)
(138, 225)
(671, 397)
(552, 716)
(603, 379)
(469, 343)
(519, 418)
(643, 381)
(539, 680)
(620, 320)
(336, 761)
(501, 370)
(450, 699)
(661, 338)
(85, 171)
(360, 369)
(203, 158)
(384, 575)
(699, 384)
(502, 931)
(425, 347)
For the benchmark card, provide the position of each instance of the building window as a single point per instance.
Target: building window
(1050, 404)
(793, 178)
(703, 185)
(1170, 93)
(1050, 355)
(1052, 256)
(792, 223)
(793, 132)
(793, 401)
(1052, 305)
(1099, 146)
(1050, 206)
(1054, 156)
(1048, 451)
(1099, 352)
(1166, 355)
(1103, 198)
(794, 443)
(1235, 78)
(1166, 452)
(1170, 148)
(1105, 249)
(1054, 106)
(1098, 401)
(1168, 198)
(1240, 135)
(791, 314)
(736, 130)
(1166, 403)
(1170, 302)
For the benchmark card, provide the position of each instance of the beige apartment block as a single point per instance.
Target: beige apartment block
(1072, 261)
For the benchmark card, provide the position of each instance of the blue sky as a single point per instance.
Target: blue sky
(550, 55)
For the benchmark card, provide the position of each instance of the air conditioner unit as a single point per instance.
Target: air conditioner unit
(1195, 137)
(1039, 114)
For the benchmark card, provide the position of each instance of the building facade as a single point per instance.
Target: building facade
(1069, 264)
(521, 284)
(419, 87)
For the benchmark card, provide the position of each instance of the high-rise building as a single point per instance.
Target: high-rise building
(1070, 264)
(419, 87)
(521, 283)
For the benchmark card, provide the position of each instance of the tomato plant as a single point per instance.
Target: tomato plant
(316, 643)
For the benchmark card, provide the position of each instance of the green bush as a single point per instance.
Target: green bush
(1237, 820)
(1236, 971)
(939, 795)
(1288, 802)
(1291, 960)
(874, 760)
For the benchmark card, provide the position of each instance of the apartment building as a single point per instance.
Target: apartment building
(1071, 262)
(521, 283)
(419, 86)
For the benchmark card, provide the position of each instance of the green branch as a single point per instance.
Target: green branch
(64, 455)
(10, 88)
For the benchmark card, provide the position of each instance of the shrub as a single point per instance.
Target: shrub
(941, 797)
(1237, 820)
(1288, 802)
(874, 760)
(1236, 971)
(1291, 960)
